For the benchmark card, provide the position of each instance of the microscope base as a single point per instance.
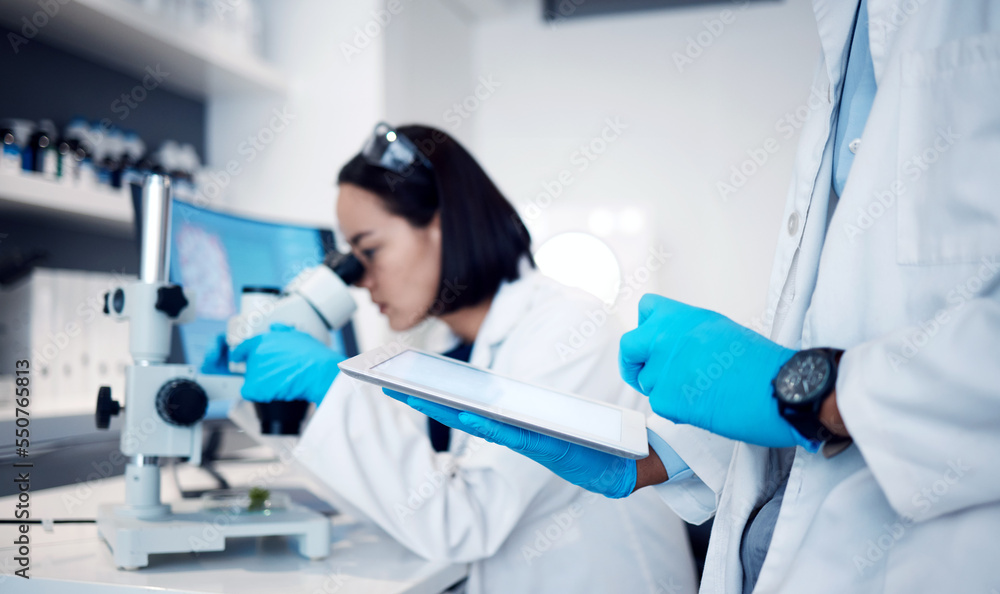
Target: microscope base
(189, 528)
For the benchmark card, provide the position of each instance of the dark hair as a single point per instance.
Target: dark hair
(482, 237)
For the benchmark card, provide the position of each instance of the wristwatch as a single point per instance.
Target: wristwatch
(801, 386)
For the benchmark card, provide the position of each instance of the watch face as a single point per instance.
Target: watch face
(802, 377)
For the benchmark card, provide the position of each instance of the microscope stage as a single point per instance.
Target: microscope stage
(190, 528)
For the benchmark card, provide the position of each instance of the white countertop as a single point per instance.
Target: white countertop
(73, 558)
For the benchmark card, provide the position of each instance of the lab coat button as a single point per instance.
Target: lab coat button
(793, 223)
(854, 146)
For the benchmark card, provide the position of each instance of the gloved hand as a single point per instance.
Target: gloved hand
(700, 368)
(595, 471)
(216, 361)
(286, 364)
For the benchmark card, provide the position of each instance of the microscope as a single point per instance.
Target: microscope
(165, 403)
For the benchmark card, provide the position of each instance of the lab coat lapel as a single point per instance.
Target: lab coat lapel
(834, 20)
(756, 472)
(510, 304)
(807, 209)
(810, 478)
(802, 227)
(745, 490)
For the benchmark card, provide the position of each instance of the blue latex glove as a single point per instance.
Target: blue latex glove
(286, 364)
(216, 361)
(700, 368)
(595, 471)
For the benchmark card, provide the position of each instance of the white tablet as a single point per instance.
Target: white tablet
(579, 420)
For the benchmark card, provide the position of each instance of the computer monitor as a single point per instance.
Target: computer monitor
(215, 255)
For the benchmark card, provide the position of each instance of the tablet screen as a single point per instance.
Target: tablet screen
(510, 395)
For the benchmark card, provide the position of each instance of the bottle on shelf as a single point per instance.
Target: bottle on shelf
(71, 155)
(106, 152)
(114, 158)
(92, 155)
(78, 137)
(180, 162)
(22, 131)
(10, 151)
(134, 149)
(68, 166)
(44, 158)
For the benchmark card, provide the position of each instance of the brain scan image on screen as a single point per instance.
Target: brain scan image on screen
(204, 269)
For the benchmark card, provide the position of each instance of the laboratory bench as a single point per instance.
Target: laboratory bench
(73, 558)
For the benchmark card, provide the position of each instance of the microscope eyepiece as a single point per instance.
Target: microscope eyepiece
(263, 290)
(346, 266)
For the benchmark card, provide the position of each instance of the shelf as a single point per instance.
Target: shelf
(98, 209)
(101, 209)
(122, 36)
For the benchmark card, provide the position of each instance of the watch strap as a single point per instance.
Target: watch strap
(805, 422)
(805, 419)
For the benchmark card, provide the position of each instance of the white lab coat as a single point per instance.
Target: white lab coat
(520, 527)
(904, 273)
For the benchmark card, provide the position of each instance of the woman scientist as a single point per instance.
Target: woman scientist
(438, 239)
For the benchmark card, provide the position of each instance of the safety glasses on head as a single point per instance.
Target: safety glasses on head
(391, 150)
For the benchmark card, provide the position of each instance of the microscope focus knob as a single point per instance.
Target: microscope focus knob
(181, 402)
(106, 408)
(170, 300)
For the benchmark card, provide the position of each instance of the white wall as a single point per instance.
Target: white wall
(428, 66)
(530, 94)
(349, 65)
(333, 54)
(685, 129)
(335, 71)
